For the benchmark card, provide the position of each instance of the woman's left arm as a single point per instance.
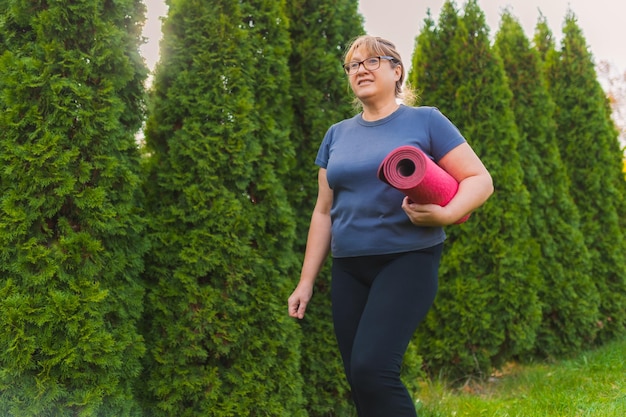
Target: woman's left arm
(475, 187)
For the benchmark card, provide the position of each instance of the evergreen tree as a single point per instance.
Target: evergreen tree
(590, 150)
(432, 53)
(71, 245)
(568, 295)
(320, 32)
(487, 310)
(220, 342)
(543, 43)
(617, 152)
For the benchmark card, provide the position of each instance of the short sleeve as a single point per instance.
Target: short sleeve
(323, 153)
(444, 135)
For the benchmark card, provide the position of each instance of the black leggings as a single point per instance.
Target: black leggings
(378, 301)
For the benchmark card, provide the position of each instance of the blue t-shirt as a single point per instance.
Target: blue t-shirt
(367, 217)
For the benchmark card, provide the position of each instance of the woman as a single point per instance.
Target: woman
(385, 248)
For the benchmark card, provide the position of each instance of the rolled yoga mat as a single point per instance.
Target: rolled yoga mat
(412, 172)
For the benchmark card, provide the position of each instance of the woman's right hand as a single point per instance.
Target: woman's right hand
(299, 299)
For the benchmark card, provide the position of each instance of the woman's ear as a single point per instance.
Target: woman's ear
(398, 70)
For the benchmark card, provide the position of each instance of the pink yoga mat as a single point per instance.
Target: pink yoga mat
(409, 170)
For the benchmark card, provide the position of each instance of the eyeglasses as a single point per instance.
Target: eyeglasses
(370, 64)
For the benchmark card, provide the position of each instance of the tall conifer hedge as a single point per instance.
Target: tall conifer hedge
(590, 149)
(71, 237)
(320, 33)
(220, 342)
(487, 310)
(240, 102)
(568, 295)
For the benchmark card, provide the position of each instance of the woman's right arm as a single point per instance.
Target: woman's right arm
(317, 248)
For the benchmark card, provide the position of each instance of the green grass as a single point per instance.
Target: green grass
(591, 385)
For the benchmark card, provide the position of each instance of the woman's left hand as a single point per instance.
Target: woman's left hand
(426, 214)
(475, 187)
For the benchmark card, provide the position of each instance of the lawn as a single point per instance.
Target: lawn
(590, 385)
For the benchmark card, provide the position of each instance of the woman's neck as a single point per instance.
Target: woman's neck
(373, 112)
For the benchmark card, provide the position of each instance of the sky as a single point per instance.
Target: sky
(603, 22)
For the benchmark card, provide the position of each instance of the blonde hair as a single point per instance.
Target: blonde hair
(380, 47)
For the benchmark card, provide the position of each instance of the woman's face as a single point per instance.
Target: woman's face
(373, 86)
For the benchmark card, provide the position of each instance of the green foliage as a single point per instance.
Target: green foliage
(590, 150)
(487, 310)
(568, 296)
(589, 384)
(543, 43)
(320, 32)
(71, 242)
(242, 97)
(219, 339)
